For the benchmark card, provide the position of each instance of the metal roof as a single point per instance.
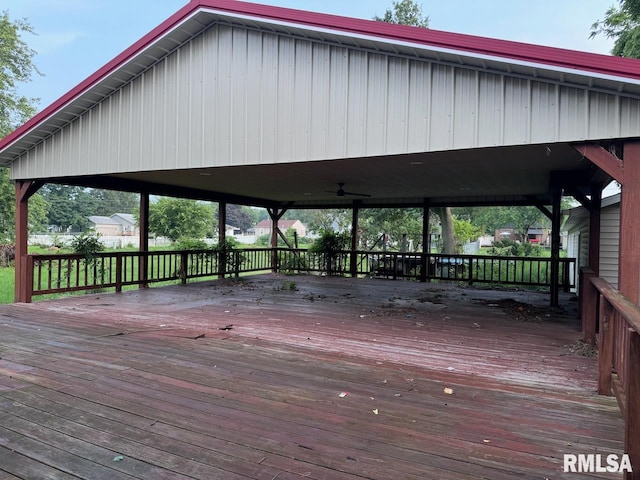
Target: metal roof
(598, 72)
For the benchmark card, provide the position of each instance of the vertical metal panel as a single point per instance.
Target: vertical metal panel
(357, 103)
(603, 115)
(490, 109)
(440, 127)
(629, 117)
(254, 84)
(573, 114)
(377, 97)
(516, 110)
(338, 87)
(544, 112)
(419, 106)
(465, 108)
(224, 97)
(320, 90)
(397, 105)
(285, 109)
(301, 96)
(238, 97)
(269, 96)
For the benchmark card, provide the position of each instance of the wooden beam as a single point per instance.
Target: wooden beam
(629, 259)
(144, 238)
(555, 247)
(426, 240)
(222, 238)
(24, 190)
(353, 264)
(594, 229)
(580, 197)
(605, 160)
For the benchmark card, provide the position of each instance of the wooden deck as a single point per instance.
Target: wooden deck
(277, 377)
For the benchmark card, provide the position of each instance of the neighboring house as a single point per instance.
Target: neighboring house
(506, 233)
(535, 234)
(231, 231)
(128, 223)
(105, 225)
(577, 227)
(117, 225)
(264, 227)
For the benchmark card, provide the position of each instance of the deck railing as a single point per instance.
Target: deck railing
(74, 272)
(618, 321)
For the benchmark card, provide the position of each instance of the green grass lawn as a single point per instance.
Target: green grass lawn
(6, 284)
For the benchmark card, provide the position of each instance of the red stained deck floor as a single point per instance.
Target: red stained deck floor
(237, 380)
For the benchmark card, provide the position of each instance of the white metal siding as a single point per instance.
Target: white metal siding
(610, 243)
(234, 96)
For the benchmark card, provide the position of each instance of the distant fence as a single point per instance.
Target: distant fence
(72, 272)
(109, 241)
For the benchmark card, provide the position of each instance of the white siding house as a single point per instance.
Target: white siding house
(577, 228)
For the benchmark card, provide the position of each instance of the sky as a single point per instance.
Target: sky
(74, 38)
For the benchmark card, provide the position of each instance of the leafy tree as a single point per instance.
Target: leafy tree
(465, 231)
(176, 218)
(405, 12)
(622, 24)
(16, 66)
(69, 206)
(112, 201)
(394, 222)
(241, 216)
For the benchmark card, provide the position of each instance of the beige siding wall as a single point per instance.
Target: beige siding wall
(610, 243)
(235, 97)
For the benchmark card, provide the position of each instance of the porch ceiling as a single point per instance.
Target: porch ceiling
(505, 175)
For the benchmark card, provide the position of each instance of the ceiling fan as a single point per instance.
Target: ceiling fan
(341, 192)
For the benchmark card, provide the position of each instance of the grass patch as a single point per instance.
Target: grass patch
(7, 284)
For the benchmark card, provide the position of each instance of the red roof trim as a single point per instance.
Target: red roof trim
(522, 52)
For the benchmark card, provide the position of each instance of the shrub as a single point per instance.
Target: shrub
(7, 255)
(329, 246)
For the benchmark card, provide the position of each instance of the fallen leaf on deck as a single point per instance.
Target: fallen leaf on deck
(228, 327)
(486, 441)
(375, 411)
(448, 391)
(343, 394)
(119, 458)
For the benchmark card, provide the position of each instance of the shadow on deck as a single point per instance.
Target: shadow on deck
(299, 377)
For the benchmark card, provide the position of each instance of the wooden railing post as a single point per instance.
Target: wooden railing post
(588, 307)
(605, 348)
(28, 284)
(184, 267)
(119, 272)
(632, 416)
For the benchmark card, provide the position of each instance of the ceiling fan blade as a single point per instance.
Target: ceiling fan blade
(354, 194)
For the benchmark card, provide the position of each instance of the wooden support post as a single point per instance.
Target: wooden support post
(353, 258)
(555, 247)
(426, 242)
(605, 348)
(23, 277)
(629, 264)
(588, 305)
(143, 271)
(275, 215)
(594, 229)
(222, 239)
(632, 416)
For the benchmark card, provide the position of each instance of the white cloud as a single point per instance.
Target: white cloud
(47, 42)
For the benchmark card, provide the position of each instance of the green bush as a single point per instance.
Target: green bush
(190, 244)
(328, 246)
(87, 244)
